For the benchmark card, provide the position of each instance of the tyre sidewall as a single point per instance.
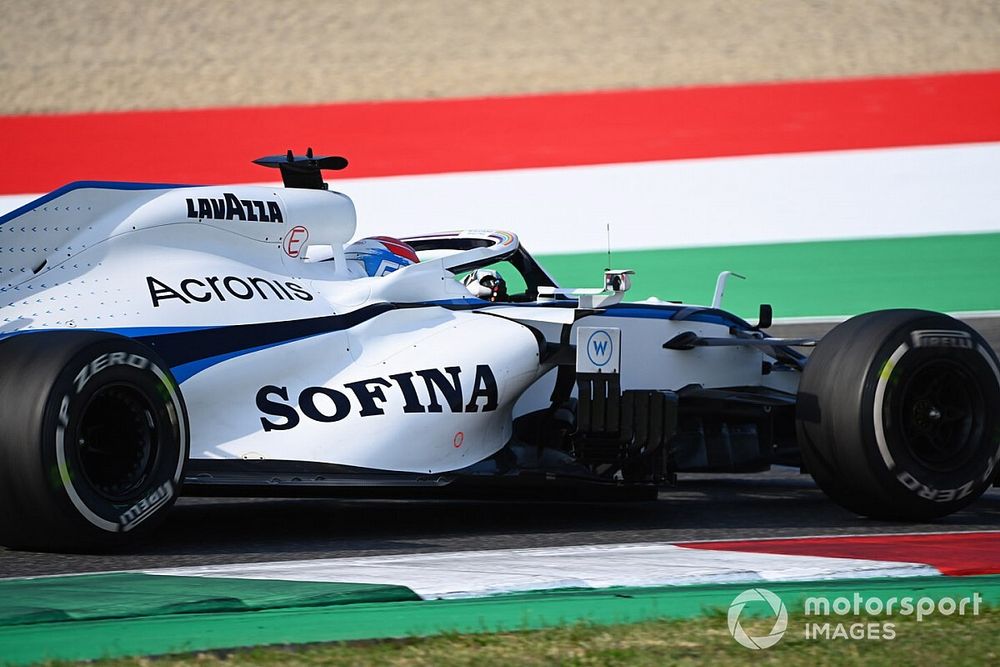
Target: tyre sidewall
(39, 397)
(908, 480)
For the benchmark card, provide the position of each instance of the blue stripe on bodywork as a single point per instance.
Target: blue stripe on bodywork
(82, 185)
(657, 311)
(127, 332)
(140, 332)
(190, 350)
(671, 312)
(186, 371)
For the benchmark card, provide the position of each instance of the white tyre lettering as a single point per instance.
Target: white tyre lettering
(64, 412)
(107, 361)
(99, 364)
(991, 465)
(136, 361)
(81, 378)
(907, 480)
(945, 496)
(964, 490)
(942, 338)
(144, 509)
(930, 493)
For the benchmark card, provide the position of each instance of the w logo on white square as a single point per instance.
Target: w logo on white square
(598, 349)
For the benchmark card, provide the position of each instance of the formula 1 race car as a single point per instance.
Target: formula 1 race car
(162, 339)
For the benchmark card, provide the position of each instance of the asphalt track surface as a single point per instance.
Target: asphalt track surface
(779, 503)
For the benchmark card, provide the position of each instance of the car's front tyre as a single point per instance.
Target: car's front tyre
(93, 443)
(899, 415)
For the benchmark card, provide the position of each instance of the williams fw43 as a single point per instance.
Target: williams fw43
(158, 340)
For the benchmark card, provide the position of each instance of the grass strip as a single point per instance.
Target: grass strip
(94, 639)
(938, 640)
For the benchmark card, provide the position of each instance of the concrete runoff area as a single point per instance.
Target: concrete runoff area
(117, 54)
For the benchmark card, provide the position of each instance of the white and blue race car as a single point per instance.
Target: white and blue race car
(164, 339)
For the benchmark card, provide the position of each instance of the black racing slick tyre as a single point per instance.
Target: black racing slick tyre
(93, 443)
(898, 415)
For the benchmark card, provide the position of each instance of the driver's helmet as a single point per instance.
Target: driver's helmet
(486, 284)
(379, 255)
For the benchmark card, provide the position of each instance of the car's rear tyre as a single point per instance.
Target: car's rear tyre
(93, 443)
(899, 414)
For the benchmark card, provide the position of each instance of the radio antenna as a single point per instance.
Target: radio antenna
(609, 246)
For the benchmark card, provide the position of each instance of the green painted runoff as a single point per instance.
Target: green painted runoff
(828, 278)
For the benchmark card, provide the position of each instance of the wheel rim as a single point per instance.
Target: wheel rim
(937, 408)
(117, 441)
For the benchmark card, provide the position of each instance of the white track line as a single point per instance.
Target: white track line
(708, 202)
(858, 194)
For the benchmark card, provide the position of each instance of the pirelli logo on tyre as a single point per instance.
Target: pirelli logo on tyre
(943, 338)
(131, 517)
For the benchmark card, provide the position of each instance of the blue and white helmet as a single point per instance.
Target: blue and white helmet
(486, 284)
(379, 255)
